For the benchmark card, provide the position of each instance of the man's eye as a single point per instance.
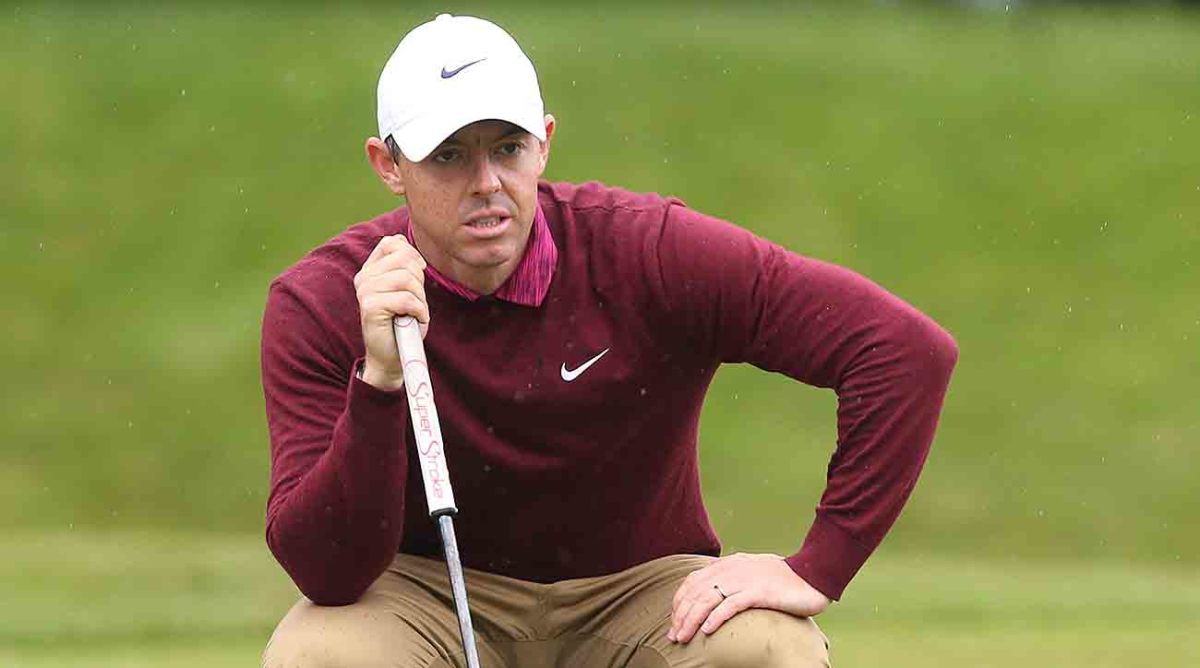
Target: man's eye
(509, 148)
(445, 157)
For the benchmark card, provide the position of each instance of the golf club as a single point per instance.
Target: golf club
(438, 493)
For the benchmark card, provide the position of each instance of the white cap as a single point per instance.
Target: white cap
(451, 72)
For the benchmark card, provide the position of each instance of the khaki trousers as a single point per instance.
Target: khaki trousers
(406, 619)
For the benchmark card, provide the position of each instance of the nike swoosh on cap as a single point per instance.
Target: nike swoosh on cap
(446, 74)
(571, 374)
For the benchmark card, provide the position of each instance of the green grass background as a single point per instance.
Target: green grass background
(1029, 178)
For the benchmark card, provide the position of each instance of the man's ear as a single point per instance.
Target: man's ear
(551, 124)
(380, 157)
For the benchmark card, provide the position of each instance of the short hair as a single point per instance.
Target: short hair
(393, 148)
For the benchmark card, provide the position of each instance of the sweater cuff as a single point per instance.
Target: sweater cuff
(829, 558)
(375, 411)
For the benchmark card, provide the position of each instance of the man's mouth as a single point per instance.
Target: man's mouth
(487, 222)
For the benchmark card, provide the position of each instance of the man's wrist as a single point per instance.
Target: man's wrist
(371, 375)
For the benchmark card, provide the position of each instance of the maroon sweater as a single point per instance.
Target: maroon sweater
(559, 479)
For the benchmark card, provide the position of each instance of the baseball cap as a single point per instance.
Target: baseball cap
(451, 72)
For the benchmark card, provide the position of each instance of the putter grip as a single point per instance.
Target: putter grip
(425, 424)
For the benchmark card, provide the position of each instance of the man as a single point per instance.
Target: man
(571, 331)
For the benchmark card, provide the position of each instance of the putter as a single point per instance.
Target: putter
(434, 473)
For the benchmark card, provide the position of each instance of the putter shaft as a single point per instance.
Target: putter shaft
(458, 586)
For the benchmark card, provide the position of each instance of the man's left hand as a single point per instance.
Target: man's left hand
(710, 596)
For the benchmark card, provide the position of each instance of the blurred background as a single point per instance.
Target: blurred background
(1026, 173)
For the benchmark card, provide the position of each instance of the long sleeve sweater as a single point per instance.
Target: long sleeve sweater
(559, 478)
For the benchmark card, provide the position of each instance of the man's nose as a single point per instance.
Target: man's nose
(485, 180)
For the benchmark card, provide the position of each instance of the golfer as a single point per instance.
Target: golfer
(572, 331)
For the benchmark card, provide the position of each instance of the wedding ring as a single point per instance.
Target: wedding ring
(721, 591)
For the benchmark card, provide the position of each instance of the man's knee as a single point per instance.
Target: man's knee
(767, 639)
(288, 649)
(313, 636)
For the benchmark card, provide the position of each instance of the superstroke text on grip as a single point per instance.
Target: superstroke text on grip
(426, 427)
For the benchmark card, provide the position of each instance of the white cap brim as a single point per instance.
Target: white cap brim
(421, 135)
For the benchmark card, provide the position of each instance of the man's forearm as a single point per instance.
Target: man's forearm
(339, 522)
(889, 402)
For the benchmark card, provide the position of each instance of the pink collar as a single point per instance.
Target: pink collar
(529, 282)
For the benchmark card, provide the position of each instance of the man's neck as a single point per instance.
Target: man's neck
(485, 281)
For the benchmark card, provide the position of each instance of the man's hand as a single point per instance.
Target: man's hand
(710, 596)
(391, 283)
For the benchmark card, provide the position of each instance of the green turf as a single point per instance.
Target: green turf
(1027, 177)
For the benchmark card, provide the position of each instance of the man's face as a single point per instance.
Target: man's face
(472, 200)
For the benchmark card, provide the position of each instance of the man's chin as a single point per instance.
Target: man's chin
(487, 259)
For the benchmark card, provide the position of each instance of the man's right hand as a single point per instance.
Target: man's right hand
(391, 283)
